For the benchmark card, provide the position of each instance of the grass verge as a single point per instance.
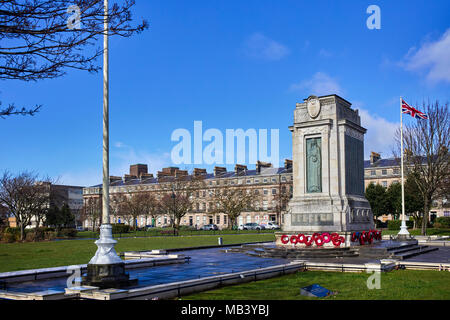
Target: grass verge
(395, 285)
(24, 256)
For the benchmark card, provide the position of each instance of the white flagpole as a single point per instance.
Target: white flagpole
(403, 228)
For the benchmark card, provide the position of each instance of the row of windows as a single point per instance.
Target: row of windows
(211, 183)
(384, 172)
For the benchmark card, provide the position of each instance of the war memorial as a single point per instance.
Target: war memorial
(329, 226)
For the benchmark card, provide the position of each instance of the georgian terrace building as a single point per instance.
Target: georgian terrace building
(269, 183)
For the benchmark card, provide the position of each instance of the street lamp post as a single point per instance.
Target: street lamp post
(106, 269)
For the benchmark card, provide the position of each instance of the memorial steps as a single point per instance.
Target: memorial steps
(386, 249)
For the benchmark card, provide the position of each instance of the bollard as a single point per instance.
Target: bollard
(220, 241)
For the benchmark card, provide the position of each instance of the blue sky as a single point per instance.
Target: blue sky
(230, 64)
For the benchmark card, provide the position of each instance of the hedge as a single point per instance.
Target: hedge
(442, 222)
(395, 224)
(120, 228)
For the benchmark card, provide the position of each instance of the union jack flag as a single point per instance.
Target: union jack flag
(406, 108)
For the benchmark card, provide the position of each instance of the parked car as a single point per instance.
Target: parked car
(210, 227)
(251, 226)
(271, 225)
(80, 228)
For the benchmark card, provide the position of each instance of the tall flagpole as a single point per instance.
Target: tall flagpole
(105, 191)
(105, 255)
(106, 269)
(403, 229)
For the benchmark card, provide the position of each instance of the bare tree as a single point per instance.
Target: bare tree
(151, 206)
(426, 144)
(232, 201)
(26, 198)
(178, 197)
(41, 39)
(92, 210)
(281, 199)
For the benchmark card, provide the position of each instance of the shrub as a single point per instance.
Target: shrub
(30, 236)
(13, 231)
(380, 224)
(395, 224)
(50, 235)
(67, 233)
(120, 228)
(8, 237)
(442, 222)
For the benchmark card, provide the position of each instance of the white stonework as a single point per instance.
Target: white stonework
(341, 205)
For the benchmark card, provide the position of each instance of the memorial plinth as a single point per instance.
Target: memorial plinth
(106, 269)
(328, 207)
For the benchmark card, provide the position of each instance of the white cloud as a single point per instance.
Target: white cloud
(260, 47)
(380, 134)
(325, 53)
(433, 58)
(85, 178)
(125, 156)
(320, 84)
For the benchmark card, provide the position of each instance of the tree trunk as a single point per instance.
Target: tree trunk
(22, 232)
(426, 209)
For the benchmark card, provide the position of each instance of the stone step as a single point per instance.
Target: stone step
(409, 248)
(405, 246)
(412, 253)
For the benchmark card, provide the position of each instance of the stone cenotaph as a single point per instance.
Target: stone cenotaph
(328, 207)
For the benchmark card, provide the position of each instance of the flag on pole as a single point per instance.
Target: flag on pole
(406, 108)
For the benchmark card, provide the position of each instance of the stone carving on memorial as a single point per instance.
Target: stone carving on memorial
(314, 165)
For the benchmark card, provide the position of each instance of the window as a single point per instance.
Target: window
(218, 219)
(274, 180)
(384, 183)
(249, 181)
(256, 180)
(396, 171)
(224, 219)
(274, 191)
(373, 172)
(265, 180)
(256, 191)
(384, 172)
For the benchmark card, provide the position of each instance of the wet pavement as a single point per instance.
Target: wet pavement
(211, 262)
(440, 256)
(203, 263)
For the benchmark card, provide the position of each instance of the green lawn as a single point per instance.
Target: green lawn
(24, 256)
(417, 232)
(395, 285)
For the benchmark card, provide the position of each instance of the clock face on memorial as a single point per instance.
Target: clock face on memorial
(313, 106)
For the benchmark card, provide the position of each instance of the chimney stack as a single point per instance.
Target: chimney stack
(374, 157)
(199, 172)
(288, 164)
(138, 169)
(128, 177)
(218, 171)
(260, 165)
(240, 169)
(114, 179)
